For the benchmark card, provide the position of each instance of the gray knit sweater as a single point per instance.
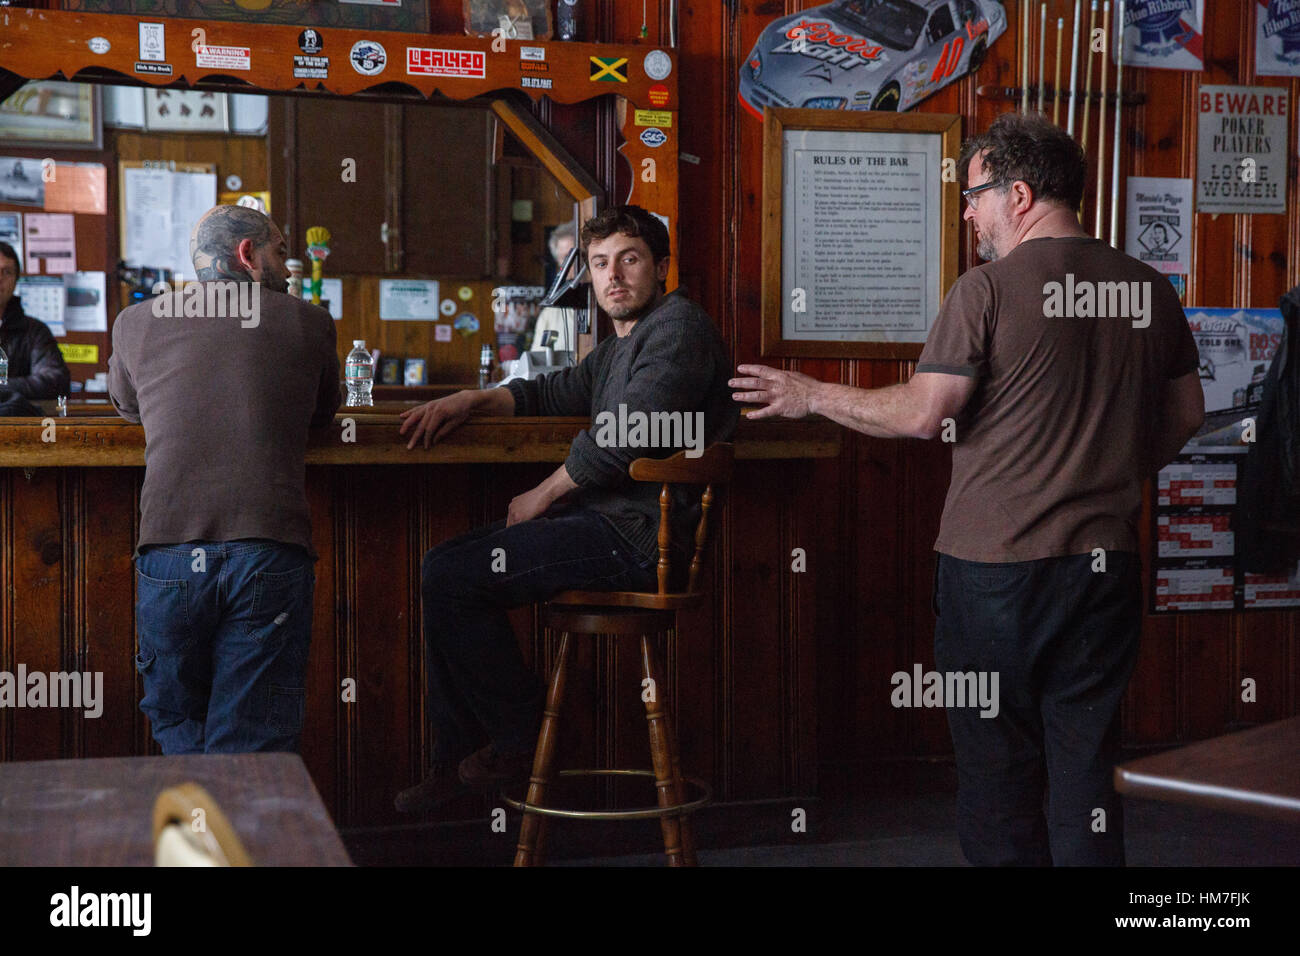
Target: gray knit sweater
(673, 361)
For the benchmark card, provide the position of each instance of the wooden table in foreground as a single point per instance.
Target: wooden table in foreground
(1256, 771)
(100, 812)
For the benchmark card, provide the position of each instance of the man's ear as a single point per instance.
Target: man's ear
(244, 253)
(661, 269)
(1024, 195)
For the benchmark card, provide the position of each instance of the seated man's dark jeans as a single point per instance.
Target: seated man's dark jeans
(479, 686)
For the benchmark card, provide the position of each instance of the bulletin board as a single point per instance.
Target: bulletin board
(159, 203)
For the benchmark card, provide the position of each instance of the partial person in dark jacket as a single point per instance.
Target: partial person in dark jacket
(588, 526)
(36, 366)
(1267, 521)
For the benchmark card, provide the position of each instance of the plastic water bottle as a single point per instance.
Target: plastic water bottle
(360, 374)
(4, 368)
(485, 367)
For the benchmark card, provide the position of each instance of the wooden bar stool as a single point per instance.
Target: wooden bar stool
(622, 613)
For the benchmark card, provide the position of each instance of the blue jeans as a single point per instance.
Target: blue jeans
(478, 684)
(223, 630)
(1063, 640)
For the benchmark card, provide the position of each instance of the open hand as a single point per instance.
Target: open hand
(436, 419)
(788, 394)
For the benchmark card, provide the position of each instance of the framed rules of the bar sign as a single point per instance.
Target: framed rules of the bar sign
(860, 222)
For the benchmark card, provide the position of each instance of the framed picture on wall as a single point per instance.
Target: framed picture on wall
(51, 114)
(185, 111)
(411, 16)
(517, 19)
(860, 222)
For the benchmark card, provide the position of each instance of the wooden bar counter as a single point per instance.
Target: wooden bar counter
(743, 669)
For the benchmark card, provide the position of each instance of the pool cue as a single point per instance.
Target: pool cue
(1042, 54)
(1119, 102)
(1024, 56)
(1056, 82)
(1101, 122)
(1074, 70)
(1087, 74)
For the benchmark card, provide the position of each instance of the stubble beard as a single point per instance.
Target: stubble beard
(274, 284)
(629, 310)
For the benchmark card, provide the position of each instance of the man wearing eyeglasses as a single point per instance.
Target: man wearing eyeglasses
(1063, 399)
(36, 366)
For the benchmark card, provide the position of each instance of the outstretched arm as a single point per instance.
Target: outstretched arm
(913, 409)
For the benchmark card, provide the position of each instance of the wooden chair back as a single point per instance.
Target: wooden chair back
(712, 468)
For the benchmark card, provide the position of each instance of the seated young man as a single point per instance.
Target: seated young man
(666, 357)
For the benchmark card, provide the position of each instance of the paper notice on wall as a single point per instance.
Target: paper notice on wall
(1163, 34)
(11, 231)
(407, 299)
(1277, 37)
(43, 299)
(51, 241)
(84, 302)
(1194, 589)
(1242, 149)
(1158, 230)
(161, 209)
(78, 187)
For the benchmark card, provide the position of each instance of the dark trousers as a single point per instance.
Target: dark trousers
(478, 685)
(224, 629)
(1063, 640)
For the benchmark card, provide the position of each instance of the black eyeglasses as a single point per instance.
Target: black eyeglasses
(970, 194)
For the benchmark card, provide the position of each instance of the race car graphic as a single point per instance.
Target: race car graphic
(868, 54)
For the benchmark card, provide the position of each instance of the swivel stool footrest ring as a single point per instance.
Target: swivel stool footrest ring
(646, 813)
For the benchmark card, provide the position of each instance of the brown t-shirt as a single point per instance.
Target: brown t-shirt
(225, 411)
(1054, 444)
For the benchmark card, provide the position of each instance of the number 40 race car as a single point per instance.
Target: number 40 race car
(868, 54)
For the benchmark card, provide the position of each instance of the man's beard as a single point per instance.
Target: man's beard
(985, 249)
(274, 284)
(628, 309)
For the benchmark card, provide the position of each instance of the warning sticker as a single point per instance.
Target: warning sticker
(224, 57)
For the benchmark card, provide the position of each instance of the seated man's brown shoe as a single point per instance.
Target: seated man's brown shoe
(442, 785)
(486, 769)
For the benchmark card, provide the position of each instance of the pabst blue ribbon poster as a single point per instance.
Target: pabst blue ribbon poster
(1164, 34)
(1277, 37)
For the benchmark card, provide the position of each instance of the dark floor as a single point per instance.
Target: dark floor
(895, 814)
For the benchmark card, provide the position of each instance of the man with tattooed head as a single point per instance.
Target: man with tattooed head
(226, 375)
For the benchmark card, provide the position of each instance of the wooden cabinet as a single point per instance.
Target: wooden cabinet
(402, 188)
(447, 182)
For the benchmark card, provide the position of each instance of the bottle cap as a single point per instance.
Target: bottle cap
(358, 343)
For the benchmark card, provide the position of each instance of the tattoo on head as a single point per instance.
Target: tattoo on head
(215, 239)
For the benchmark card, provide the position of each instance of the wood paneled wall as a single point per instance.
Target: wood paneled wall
(742, 697)
(872, 515)
(792, 669)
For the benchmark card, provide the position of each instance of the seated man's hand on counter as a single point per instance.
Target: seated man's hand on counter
(436, 419)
